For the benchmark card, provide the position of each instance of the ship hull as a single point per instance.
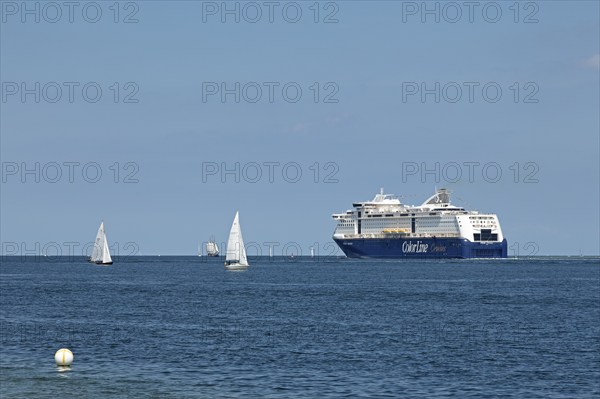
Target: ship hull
(420, 248)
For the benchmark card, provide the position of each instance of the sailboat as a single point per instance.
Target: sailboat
(212, 249)
(235, 258)
(101, 254)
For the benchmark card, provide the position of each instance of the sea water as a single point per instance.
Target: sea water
(184, 327)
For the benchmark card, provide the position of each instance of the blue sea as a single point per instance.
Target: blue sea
(183, 327)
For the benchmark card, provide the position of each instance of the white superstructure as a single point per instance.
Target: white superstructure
(385, 216)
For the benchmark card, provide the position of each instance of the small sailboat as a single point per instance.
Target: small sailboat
(212, 249)
(101, 253)
(235, 258)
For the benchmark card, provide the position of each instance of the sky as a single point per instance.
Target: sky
(164, 118)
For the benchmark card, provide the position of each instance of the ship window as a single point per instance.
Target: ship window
(486, 235)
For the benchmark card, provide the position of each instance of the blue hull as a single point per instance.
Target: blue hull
(421, 248)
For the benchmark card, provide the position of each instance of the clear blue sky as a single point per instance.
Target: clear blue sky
(373, 56)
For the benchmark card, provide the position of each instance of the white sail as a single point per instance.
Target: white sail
(105, 252)
(212, 249)
(101, 253)
(98, 244)
(236, 252)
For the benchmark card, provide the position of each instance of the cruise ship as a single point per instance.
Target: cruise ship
(387, 228)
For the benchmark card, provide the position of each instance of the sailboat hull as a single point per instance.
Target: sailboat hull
(235, 266)
(99, 262)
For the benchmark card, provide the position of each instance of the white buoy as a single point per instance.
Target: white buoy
(63, 357)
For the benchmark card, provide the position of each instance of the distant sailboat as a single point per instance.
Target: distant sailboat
(101, 253)
(236, 252)
(212, 249)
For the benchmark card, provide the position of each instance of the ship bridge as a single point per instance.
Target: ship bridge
(440, 201)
